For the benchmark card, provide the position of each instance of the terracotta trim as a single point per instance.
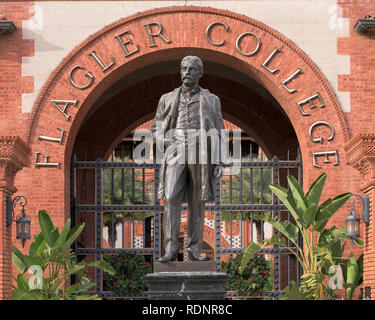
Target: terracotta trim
(361, 155)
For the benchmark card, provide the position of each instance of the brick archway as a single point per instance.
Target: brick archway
(124, 47)
(270, 128)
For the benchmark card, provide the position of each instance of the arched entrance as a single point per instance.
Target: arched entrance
(116, 201)
(111, 83)
(137, 95)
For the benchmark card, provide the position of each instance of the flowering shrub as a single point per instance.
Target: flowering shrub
(253, 279)
(130, 268)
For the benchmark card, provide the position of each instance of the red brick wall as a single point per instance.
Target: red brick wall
(361, 154)
(12, 83)
(12, 121)
(50, 186)
(12, 158)
(360, 82)
(361, 85)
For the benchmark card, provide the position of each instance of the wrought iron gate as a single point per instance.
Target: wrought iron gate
(118, 197)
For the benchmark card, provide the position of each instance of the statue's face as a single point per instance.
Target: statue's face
(190, 72)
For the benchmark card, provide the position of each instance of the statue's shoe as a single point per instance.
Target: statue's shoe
(168, 257)
(195, 256)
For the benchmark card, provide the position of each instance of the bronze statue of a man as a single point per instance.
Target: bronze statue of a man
(187, 172)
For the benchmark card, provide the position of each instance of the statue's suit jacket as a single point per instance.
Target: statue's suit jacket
(210, 118)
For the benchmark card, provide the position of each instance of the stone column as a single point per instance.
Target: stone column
(13, 153)
(361, 155)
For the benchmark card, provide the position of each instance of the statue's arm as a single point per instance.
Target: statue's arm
(158, 120)
(158, 130)
(219, 125)
(157, 126)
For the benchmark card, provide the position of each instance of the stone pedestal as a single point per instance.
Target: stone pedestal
(183, 266)
(186, 281)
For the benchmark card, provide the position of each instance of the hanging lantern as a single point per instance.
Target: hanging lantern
(22, 222)
(23, 228)
(352, 225)
(352, 221)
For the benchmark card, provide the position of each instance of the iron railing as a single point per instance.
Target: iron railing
(110, 196)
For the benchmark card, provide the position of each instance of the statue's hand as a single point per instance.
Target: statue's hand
(218, 172)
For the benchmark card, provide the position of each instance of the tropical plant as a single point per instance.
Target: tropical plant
(353, 274)
(321, 248)
(130, 269)
(293, 292)
(52, 263)
(253, 279)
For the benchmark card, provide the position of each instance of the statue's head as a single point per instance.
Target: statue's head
(191, 70)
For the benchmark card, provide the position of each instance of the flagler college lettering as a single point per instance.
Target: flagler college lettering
(81, 79)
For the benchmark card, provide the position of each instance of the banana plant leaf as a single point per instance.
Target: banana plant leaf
(254, 247)
(293, 292)
(316, 189)
(353, 273)
(327, 209)
(23, 282)
(298, 196)
(249, 253)
(285, 227)
(72, 236)
(104, 265)
(52, 250)
(352, 276)
(20, 294)
(287, 199)
(78, 287)
(18, 259)
(63, 235)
